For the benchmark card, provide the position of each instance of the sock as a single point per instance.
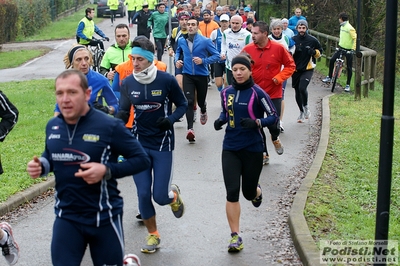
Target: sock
(4, 239)
(155, 233)
(220, 88)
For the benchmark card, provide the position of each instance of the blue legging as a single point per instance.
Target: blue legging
(70, 239)
(155, 181)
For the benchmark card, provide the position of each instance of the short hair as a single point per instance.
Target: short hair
(88, 10)
(121, 26)
(70, 72)
(343, 16)
(276, 23)
(144, 43)
(194, 18)
(262, 25)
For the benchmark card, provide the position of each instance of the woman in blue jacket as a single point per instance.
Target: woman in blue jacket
(243, 107)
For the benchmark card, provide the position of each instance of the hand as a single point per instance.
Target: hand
(111, 74)
(163, 123)
(107, 39)
(34, 167)
(179, 64)
(311, 51)
(149, 29)
(101, 107)
(89, 40)
(197, 60)
(248, 123)
(218, 124)
(91, 173)
(351, 52)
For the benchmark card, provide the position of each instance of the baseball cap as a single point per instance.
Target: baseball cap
(219, 8)
(224, 17)
(232, 8)
(247, 9)
(207, 12)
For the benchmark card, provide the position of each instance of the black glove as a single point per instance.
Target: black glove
(351, 52)
(89, 40)
(218, 124)
(248, 123)
(149, 29)
(311, 51)
(107, 39)
(101, 107)
(163, 123)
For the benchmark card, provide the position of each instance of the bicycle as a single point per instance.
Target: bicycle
(337, 70)
(98, 54)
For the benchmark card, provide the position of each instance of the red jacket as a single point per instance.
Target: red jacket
(268, 63)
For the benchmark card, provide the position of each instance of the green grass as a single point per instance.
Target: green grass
(35, 101)
(64, 28)
(342, 201)
(16, 58)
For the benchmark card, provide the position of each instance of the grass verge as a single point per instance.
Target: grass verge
(65, 28)
(342, 202)
(35, 101)
(13, 59)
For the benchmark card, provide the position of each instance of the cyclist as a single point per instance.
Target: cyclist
(347, 42)
(86, 29)
(116, 53)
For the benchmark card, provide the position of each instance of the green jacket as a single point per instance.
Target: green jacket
(348, 36)
(88, 30)
(113, 4)
(114, 56)
(152, 4)
(157, 21)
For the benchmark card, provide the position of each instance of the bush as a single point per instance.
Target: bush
(8, 21)
(34, 14)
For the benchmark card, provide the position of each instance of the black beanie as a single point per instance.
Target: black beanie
(241, 60)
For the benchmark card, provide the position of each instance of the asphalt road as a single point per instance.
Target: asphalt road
(201, 236)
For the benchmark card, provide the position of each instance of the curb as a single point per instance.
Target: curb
(22, 197)
(299, 231)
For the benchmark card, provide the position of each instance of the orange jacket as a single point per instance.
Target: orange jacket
(125, 69)
(207, 28)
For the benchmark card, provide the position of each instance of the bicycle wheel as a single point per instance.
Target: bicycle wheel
(335, 77)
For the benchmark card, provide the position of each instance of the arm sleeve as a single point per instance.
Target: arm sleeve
(99, 32)
(179, 99)
(269, 108)
(79, 31)
(115, 84)
(9, 116)
(214, 54)
(136, 159)
(110, 97)
(124, 103)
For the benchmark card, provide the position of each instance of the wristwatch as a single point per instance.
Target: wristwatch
(107, 175)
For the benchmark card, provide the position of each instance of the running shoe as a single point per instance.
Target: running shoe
(139, 217)
(257, 201)
(278, 146)
(307, 113)
(131, 260)
(265, 158)
(347, 88)
(10, 249)
(177, 207)
(190, 136)
(203, 118)
(152, 244)
(236, 243)
(327, 80)
(300, 119)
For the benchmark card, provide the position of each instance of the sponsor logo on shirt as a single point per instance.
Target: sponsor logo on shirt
(71, 156)
(156, 92)
(54, 136)
(149, 107)
(91, 137)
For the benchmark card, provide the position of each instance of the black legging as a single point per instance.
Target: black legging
(113, 14)
(191, 85)
(160, 43)
(243, 165)
(349, 64)
(300, 81)
(131, 13)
